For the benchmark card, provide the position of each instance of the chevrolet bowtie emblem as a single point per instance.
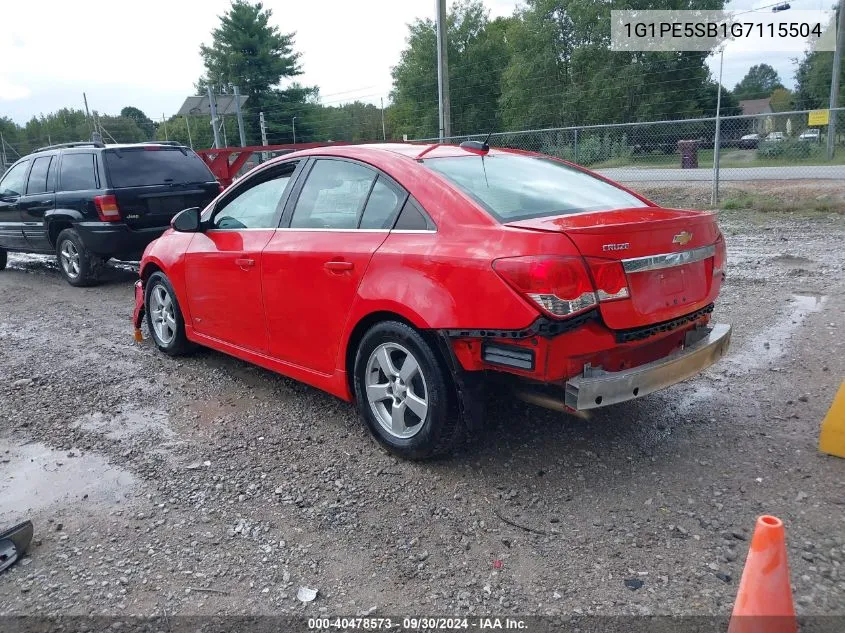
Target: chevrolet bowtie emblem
(682, 238)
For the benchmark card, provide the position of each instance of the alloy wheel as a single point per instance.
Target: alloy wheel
(69, 259)
(396, 390)
(162, 314)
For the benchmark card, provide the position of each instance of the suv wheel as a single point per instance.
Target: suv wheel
(403, 394)
(164, 317)
(3, 258)
(78, 266)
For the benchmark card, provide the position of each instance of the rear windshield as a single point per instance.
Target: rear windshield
(513, 187)
(139, 167)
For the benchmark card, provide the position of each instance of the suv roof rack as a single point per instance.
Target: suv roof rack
(75, 144)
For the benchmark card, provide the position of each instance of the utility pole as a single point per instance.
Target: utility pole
(87, 114)
(714, 196)
(188, 125)
(3, 151)
(239, 115)
(293, 124)
(834, 80)
(213, 107)
(97, 136)
(164, 122)
(383, 133)
(263, 126)
(443, 72)
(223, 125)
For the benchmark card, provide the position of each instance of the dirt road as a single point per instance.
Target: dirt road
(204, 485)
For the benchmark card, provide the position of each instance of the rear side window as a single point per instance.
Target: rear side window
(333, 196)
(149, 166)
(38, 175)
(382, 205)
(513, 187)
(77, 172)
(413, 218)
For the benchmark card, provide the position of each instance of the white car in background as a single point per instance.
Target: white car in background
(775, 137)
(811, 134)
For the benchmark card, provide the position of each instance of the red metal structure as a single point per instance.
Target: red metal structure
(226, 162)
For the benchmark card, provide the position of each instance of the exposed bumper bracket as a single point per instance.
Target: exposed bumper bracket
(599, 388)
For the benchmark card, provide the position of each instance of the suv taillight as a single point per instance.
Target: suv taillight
(609, 278)
(720, 258)
(559, 286)
(107, 208)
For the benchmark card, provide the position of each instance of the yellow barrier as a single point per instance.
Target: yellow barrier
(832, 437)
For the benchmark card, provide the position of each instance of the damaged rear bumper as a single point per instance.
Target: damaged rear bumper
(597, 388)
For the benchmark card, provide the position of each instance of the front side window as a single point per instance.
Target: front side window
(77, 172)
(333, 196)
(512, 187)
(12, 184)
(38, 175)
(256, 207)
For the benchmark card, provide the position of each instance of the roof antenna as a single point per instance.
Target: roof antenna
(477, 147)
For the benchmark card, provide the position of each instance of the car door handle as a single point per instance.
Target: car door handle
(338, 267)
(245, 262)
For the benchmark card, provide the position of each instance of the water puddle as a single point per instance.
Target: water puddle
(770, 343)
(757, 353)
(35, 478)
(126, 424)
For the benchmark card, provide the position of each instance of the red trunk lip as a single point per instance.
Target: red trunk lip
(617, 220)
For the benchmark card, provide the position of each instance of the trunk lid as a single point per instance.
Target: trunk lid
(667, 255)
(152, 183)
(155, 206)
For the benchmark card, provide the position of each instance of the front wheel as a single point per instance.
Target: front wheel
(164, 317)
(403, 393)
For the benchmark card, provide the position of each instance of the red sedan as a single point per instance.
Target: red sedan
(405, 277)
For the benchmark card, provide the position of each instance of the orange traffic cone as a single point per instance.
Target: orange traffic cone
(764, 600)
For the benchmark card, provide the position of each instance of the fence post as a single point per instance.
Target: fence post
(576, 146)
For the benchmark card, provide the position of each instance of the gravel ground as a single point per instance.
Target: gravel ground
(204, 485)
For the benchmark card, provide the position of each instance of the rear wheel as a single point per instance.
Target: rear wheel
(164, 317)
(3, 258)
(403, 393)
(79, 267)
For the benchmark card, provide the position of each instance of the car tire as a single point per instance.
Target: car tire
(164, 316)
(77, 265)
(4, 258)
(411, 410)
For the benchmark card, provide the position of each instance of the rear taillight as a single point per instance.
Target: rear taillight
(720, 258)
(107, 208)
(609, 278)
(559, 286)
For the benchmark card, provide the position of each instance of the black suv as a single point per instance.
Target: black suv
(88, 202)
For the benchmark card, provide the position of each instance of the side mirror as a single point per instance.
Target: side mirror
(187, 220)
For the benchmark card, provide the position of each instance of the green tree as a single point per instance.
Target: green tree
(759, 82)
(812, 81)
(478, 54)
(144, 123)
(781, 100)
(250, 52)
(562, 71)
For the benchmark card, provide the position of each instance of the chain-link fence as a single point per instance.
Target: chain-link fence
(765, 146)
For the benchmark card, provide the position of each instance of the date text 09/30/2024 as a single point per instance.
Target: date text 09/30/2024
(416, 624)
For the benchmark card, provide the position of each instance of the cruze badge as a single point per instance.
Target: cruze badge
(682, 238)
(616, 247)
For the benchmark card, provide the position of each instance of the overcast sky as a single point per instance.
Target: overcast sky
(146, 54)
